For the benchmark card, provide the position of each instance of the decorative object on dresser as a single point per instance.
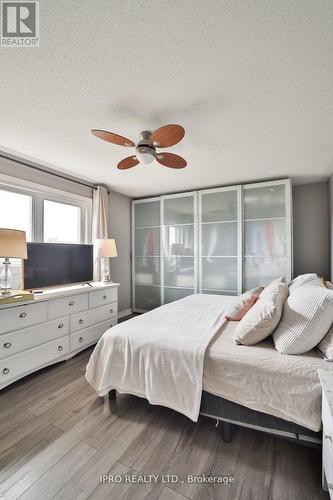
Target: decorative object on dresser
(105, 248)
(58, 324)
(13, 244)
(326, 380)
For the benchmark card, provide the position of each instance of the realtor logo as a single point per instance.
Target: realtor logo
(20, 24)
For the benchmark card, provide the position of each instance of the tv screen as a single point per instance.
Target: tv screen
(51, 264)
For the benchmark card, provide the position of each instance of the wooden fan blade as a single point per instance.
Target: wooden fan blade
(128, 162)
(114, 138)
(171, 160)
(167, 136)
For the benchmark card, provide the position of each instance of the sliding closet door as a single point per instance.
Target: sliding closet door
(179, 221)
(220, 241)
(267, 232)
(146, 254)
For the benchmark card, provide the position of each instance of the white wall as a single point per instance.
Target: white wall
(120, 229)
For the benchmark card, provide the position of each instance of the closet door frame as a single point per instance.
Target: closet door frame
(289, 220)
(133, 256)
(194, 195)
(238, 190)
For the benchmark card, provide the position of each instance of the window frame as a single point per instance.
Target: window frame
(39, 195)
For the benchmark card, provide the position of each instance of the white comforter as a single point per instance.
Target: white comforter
(160, 355)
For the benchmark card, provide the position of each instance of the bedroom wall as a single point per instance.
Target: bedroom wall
(311, 229)
(120, 229)
(330, 209)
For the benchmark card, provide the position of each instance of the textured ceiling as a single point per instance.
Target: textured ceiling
(251, 82)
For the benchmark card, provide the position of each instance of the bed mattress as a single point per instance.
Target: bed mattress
(260, 378)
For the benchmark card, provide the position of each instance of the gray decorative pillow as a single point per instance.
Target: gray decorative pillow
(263, 317)
(307, 317)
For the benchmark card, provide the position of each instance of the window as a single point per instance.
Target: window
(16, 211)
(62, 222)
(50, 217)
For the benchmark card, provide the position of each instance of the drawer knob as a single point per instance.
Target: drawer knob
(60, 348)
(71, 303)
(111, 310)
(327, 436)
(81, 339)
(7, 345)
(105, 297)
(81, 321)
(5, 371)
(61, 325)
(23, 315)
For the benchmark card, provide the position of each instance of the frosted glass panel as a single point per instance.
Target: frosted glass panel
(220, 206)
(147, 297)
(171, 294)
(179, 210)
(219, 292)
(260, 271)
(266, 237)
(179, 271)
(219, 239)
(179, 240)
(147, 270)
(147, 214)
(219, 273)
(147, 241)
(264, 202)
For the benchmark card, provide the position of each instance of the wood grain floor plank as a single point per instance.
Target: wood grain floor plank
(168, 494)
(63, 471)
(116, 490)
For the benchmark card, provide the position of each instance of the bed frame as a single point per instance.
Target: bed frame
(232, 414)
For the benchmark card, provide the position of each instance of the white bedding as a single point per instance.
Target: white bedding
(260, 378)
(160, 355)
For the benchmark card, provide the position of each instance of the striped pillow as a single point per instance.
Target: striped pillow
(307, 317)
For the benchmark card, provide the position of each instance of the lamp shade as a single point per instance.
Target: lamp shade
(13, 244)
(106, 248)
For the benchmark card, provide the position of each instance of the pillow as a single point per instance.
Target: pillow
(307, 316)
(326, 345)
(244, 302)
(301, 280)
(264, 316)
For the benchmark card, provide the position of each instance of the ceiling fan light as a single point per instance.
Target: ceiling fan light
(145, 155)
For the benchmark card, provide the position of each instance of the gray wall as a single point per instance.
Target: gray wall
(15, 169)
(120, 229)
(311, 229)
(330, 210)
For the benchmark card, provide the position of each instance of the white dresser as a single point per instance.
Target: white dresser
(326, 380)
(55, 326)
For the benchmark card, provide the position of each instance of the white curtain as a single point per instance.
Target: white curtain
(100, 222)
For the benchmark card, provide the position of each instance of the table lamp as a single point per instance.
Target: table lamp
(13, 245)
(105, 248)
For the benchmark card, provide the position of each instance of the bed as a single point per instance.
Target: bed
(252, 386)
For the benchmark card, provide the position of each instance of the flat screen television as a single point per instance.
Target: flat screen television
(51, 264)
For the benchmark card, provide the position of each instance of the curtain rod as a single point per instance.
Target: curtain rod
(40, 169)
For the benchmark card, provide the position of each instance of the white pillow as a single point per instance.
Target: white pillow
(307, 316)
(263, 317)
(326, 345)
(301, 280)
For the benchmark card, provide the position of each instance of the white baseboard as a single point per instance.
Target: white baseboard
(126, 312)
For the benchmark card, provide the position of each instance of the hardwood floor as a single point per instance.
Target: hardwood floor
(58, 439)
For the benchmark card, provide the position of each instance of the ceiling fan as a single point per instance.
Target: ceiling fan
(145, 149)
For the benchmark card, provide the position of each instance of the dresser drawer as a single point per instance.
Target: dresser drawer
(90, 335)
(17, 318)
(67, 305)
(101, 297)
(27, 361)
(93, 316)
(12, 343)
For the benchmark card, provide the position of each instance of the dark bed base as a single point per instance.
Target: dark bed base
(232, 414)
